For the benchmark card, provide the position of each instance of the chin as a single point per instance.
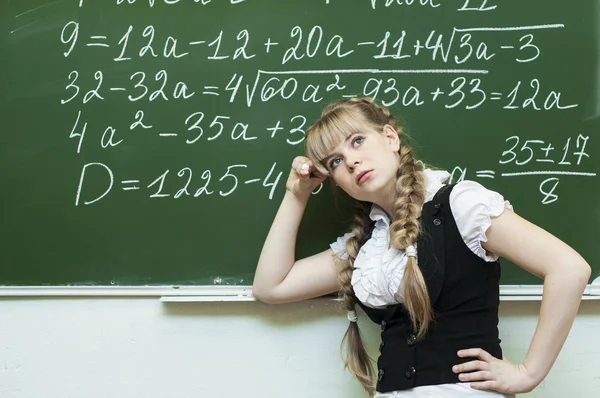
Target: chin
(368, 195)
(374, 185)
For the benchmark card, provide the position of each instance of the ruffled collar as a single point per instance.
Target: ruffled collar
(434, 181)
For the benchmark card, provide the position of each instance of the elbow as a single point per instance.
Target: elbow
(586, 272)
(578, 271)
(264, 295)
(259, 294)
(582, 271)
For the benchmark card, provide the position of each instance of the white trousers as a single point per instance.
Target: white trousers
(458, 390)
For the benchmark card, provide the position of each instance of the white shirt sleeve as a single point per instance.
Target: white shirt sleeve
(339, 245)
(473, 207)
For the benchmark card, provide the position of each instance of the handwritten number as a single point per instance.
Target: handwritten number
(140, 84)
(510, 151)
(73, 76)
(229, 175)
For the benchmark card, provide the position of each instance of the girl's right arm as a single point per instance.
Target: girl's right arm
(279, 278)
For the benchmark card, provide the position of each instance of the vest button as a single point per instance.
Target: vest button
(437, 222)
(411, 339)
(380, 375)
(410, 372)
(383, 325)
(381, 346)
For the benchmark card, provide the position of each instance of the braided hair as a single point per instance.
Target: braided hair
(337, 121)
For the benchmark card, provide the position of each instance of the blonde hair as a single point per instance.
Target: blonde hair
(338, 121)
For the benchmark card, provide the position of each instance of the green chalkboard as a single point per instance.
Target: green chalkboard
(147, 142)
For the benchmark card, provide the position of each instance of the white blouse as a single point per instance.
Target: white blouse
(378, 269)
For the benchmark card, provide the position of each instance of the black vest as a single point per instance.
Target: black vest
(464, 292)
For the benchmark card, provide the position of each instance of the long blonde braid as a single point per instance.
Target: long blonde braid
(404, 230)
(357, 358)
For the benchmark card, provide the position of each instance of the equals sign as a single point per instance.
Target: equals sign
(210, 92)
(132, 182)
(97, 44)
(485, 173)
(495, 96)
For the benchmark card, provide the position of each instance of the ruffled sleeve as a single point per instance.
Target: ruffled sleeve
(339, 245)
(473, 207)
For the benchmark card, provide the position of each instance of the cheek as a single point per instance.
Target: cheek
(343, 180)
(393, 160)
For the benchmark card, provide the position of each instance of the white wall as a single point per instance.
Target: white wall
(142, 348)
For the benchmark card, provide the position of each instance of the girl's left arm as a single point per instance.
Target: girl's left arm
(565, 274)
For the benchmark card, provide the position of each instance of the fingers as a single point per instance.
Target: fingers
(476, 353)
(489, 385)
(475, 376)
(477, 370)
(470, 366)
(302, 166)
(306, 169)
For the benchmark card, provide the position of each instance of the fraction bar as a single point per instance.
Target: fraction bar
(571, 173)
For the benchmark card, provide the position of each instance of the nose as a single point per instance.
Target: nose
(352, 163)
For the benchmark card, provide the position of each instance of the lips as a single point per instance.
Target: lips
(363, 176)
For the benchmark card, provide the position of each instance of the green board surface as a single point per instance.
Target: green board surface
(148, 142)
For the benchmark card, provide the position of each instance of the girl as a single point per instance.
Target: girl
(421, 261)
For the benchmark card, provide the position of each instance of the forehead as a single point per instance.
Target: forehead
(330, 133)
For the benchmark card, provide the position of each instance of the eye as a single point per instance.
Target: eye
(358, 140)
(334, 162)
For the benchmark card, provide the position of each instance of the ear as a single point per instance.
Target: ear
(392, 137)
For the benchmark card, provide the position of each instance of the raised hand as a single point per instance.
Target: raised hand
(303, 178)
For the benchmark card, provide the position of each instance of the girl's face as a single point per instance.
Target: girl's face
(365, 165)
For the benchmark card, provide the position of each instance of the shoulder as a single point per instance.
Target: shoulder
(467, 194)
(473, 207)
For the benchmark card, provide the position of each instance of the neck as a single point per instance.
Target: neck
(388, 198)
